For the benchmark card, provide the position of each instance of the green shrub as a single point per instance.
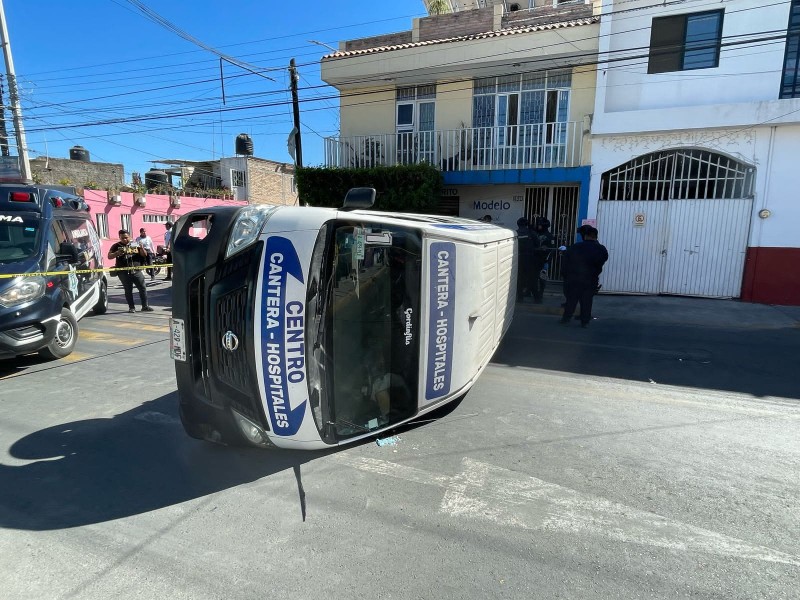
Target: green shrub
(404, 188)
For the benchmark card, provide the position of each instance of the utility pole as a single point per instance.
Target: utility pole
(22, 148)
(3, 131)
(298, 161)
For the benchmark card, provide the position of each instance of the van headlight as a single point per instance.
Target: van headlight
(247, 227)
(24, 289)
(254, 433)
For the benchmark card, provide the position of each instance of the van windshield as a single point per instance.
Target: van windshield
(19, 237)
(366, 308)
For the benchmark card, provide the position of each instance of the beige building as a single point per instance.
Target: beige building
(499, 97)
(256, 180)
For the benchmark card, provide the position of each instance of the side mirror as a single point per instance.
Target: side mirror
(359, 198)
(68, 252)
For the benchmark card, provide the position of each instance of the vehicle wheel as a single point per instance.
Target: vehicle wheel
(156, 270)
(65, 339)
(102, 302)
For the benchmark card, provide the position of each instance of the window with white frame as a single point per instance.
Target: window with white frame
(685, 42)
(125, 222)
(153, 218)
(238, 178)
(528, 99)
(415, 119)
(102, 224)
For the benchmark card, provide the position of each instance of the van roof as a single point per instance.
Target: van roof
(12, 198)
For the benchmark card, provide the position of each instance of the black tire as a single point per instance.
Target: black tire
(102, 302)
(63, 343)
(156, 270)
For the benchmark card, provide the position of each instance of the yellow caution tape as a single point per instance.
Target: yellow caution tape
(78, 271)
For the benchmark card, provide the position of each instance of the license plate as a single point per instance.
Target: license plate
(177, 340)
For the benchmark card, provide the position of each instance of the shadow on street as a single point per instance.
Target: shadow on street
(98, 470)
(749, 359)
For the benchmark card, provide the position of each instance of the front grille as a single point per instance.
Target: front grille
(197, 336)
(232, 312)
(231, 315)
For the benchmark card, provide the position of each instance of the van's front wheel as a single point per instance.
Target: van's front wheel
(63, 343)
(102, 302)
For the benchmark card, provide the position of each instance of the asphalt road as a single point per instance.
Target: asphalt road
(564, 473)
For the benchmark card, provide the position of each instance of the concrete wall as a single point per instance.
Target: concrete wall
(367, 111)
(389, 39)
(633, 99)
(466, 22)
(78, 173)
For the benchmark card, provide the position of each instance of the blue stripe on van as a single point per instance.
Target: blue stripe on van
(282, 331)
(442, 313)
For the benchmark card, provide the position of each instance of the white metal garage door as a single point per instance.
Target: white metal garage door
(667, 231)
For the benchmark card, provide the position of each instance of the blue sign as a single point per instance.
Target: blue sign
(282, 332)
(442, 313)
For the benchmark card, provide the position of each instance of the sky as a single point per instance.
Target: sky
(82, 64)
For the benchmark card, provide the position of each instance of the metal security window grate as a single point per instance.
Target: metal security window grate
(102, 224)
(790, 81)
(678, 174)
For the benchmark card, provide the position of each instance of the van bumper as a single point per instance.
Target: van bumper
(28, 329)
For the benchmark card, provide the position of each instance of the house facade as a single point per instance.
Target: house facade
(126, 210)
(695, 129)
(498, 97)
(245, 178)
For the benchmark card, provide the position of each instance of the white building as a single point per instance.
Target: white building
(694, 134)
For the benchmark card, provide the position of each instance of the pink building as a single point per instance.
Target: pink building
(123, 212)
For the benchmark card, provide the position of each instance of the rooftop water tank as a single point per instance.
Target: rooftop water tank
(244, 145)
(154, 178)
(79, 153)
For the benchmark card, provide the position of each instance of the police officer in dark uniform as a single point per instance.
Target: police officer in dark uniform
(525, 272)
(581, 266)
(544, 244)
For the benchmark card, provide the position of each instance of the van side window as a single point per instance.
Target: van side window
(55, 236)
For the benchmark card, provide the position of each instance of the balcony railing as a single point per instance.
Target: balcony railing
(541, 145)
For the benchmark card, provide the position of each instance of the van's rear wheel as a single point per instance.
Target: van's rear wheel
(63, 343)
(102, 302)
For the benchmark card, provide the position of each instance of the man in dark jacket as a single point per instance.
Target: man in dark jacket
(525, 273)
(544, 244)
(581, 266)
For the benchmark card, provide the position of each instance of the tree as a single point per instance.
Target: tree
(439, 7)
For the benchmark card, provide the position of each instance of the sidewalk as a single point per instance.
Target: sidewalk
(678, 310)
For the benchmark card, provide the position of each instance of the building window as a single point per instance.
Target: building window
(685, 42)
(790, 82)
(102, 224)
(125, 221)
(294, 185)
(531, 98)
(238, 179)
(416, 110)
(151, 218)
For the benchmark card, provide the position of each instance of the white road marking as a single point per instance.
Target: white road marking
(487, 492)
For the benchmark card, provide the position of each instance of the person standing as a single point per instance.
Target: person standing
(581, 266)
(168, 249)
(128, 256)
(525, 272)
(543, 246)
(146, 242)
